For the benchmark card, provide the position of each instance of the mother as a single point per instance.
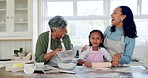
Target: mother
(120, 37)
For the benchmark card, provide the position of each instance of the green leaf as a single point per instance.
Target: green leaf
(16, 51)
(21, 50)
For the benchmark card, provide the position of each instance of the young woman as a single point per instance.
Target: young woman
(120, 37)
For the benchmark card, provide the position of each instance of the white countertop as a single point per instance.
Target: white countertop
(15, 61)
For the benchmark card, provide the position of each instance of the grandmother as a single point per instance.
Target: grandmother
(51, 42)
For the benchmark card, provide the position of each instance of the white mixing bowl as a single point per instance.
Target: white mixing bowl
(67, 66)
(66, 56)
(67, 61)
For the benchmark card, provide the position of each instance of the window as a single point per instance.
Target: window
(142, 30)
(144, 5)
(84, 8)
(63, 8)
(86, 15)
(115, 3)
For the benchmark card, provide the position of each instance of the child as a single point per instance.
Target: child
(95, 51)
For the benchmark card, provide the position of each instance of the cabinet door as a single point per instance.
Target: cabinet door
(9, 16)
(21, 16)
(15, 16)
(2, 16)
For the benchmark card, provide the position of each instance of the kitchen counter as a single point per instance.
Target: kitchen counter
(84, 72)
(9, 64)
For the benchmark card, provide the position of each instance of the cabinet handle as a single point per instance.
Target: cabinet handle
(11, 17)
(7, 17)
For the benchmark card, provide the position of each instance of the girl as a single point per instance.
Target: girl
(95, 51)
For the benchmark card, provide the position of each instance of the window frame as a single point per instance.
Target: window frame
(106, 16)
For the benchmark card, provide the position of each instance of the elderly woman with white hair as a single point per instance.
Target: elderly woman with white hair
(51, 42)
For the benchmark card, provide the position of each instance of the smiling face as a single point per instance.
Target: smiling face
(95, 39)
(117, 17)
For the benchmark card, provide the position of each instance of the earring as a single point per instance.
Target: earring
(121, 19)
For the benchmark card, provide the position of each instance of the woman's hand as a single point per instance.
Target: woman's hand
(84, 48)
(116, 59)
(87, 64)
(55, 51)
(49, 55)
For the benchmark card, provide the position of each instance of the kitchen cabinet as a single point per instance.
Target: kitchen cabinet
(16, 18)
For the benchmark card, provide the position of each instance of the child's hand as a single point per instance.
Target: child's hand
(87, 64)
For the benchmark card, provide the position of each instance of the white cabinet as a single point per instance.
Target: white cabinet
(16, 18)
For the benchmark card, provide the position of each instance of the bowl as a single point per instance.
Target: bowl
(145, 64)
(67, 65)
(66, 60)
(39, 65)
(66, 56)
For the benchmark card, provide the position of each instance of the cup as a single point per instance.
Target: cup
(29, 68)
(39, 65)
(8, 66)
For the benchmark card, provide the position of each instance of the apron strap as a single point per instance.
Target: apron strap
(107, 36)
(49, 41)
(62, 43)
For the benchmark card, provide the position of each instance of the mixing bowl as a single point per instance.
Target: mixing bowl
(67, 61)
(66, 56)
(67, 65)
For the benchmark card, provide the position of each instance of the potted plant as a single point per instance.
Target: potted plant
(17, 52)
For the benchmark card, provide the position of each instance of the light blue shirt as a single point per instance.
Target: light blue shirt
(129, 44)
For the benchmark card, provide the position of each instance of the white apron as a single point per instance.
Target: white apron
(53, 61)
(114, 47)
(49, 41)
